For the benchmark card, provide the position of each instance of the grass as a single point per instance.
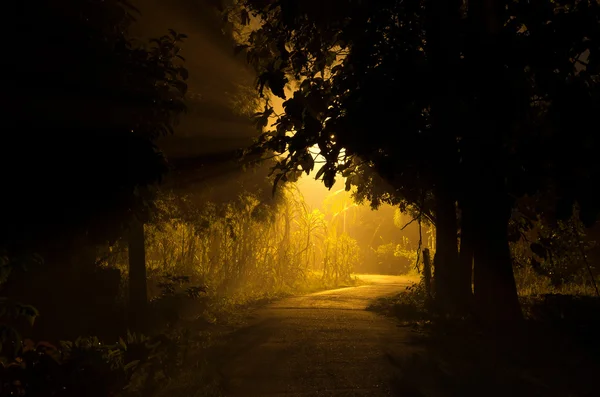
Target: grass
(529, 283)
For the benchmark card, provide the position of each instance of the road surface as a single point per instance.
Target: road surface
(322, 344)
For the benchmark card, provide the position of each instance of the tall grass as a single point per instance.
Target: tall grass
(245, 250)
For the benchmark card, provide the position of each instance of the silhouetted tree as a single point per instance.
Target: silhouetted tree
(494, 102)
(80, 149)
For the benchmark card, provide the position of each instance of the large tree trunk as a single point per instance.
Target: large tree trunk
(138, 292)
(485, 160)
(446, 255)
(495, 288)
(442, 47)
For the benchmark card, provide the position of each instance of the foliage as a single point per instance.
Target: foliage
(88, 367)
(243, 248)
(408, 101)
(556, 251)
(176, 293)
(561, 252)
(11, 313)
(408, 306)
(352, 60)
(341, 255)
(327, 62)
(406, 250)
(94, 106)
(8, 263)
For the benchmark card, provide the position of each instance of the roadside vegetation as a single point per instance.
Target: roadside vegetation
(554, 352)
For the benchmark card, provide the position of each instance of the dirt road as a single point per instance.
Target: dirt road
(322, 344)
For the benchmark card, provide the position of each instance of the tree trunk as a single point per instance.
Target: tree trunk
(427, 275)
(495, 288)
(465, 257)
(138, 293)
(442, 31)
(446, 255)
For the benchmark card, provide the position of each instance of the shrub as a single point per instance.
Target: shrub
(88, 367)
(410, 305)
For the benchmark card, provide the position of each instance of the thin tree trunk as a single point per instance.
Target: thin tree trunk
(465, 258)
(427, 275)
(138, 293)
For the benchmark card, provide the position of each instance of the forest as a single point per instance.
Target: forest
(174, 171)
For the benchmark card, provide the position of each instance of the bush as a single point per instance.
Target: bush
(88, 367)
(176, 296)
(410, 305)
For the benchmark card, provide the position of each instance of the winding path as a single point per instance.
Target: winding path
(322, 344)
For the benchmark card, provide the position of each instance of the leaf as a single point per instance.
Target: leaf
(239, 48)
(131, 365)
(330, 58)
(307, 163)
(277, 82)
(539, 250)
(261, 81)
(321, 171)
(299, 60)
(262, 119)
(181, 87)
(183, 72)
(244, 17)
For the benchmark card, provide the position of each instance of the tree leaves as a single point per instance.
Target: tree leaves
(239, 48)
(244, 17)
(307, 162)
(380, 96)
(538, 249)
(101, 87)
(261, 119)
(277, 82)
(14, 310)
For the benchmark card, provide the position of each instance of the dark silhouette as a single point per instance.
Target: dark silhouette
(483, 97)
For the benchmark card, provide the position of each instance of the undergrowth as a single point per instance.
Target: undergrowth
(223, 315)
(556, 352)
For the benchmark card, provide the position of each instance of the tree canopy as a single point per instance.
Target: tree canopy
(478, 102)
(87, 106)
